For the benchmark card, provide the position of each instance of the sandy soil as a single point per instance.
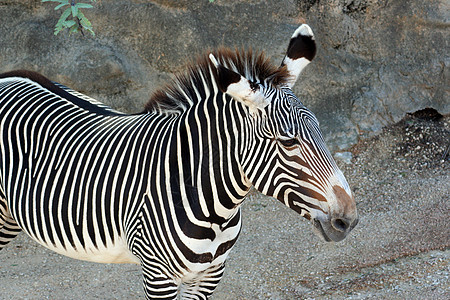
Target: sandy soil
(399, 250)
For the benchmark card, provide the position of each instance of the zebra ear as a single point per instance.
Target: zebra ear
(300, 52)
(239, 87)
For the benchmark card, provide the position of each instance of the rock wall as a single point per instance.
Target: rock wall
(376, 61)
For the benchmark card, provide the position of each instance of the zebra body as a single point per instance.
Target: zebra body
(49, 150)
(163, 188)
(69, 154)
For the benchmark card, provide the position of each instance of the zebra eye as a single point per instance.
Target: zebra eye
(289, 142)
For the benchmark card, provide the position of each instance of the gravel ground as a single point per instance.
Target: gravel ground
(399, 250)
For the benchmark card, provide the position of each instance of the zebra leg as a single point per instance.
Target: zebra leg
(8, 231)
(158, 285)
(8, 227)
(204, 285)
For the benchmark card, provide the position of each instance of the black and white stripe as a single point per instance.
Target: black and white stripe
(163, 188)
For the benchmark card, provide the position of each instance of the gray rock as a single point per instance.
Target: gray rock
(345, 157)
(376, 61)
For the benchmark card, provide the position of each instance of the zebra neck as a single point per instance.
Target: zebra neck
(206, 164)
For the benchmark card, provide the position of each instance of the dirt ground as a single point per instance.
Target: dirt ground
(399, 250)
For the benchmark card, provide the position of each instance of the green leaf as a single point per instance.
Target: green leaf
(61, 1)
(69, 23)
(61, 5)
(57, 30)
(91, 31)
(83, 5)
(65, 14)
(74, 10)
(74, 28)
(85, 22)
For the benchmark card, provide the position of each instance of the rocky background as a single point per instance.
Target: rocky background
(377, 59)
(379, 64)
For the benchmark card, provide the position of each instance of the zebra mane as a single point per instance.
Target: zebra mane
(182, 91)
(75, 97)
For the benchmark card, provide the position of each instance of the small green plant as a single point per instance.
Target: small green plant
(72, 18)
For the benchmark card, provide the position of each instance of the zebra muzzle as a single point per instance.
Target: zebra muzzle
(335, 229)
(342, 217)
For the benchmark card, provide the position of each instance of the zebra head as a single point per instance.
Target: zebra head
(285, 155)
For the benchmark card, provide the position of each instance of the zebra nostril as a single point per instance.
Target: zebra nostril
(340, 225)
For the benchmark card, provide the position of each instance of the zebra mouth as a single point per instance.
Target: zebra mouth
(318, 228)
(328, 232)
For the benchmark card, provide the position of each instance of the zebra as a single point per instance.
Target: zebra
(163, 188)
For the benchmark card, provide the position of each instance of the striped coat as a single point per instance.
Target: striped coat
(163, 188)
